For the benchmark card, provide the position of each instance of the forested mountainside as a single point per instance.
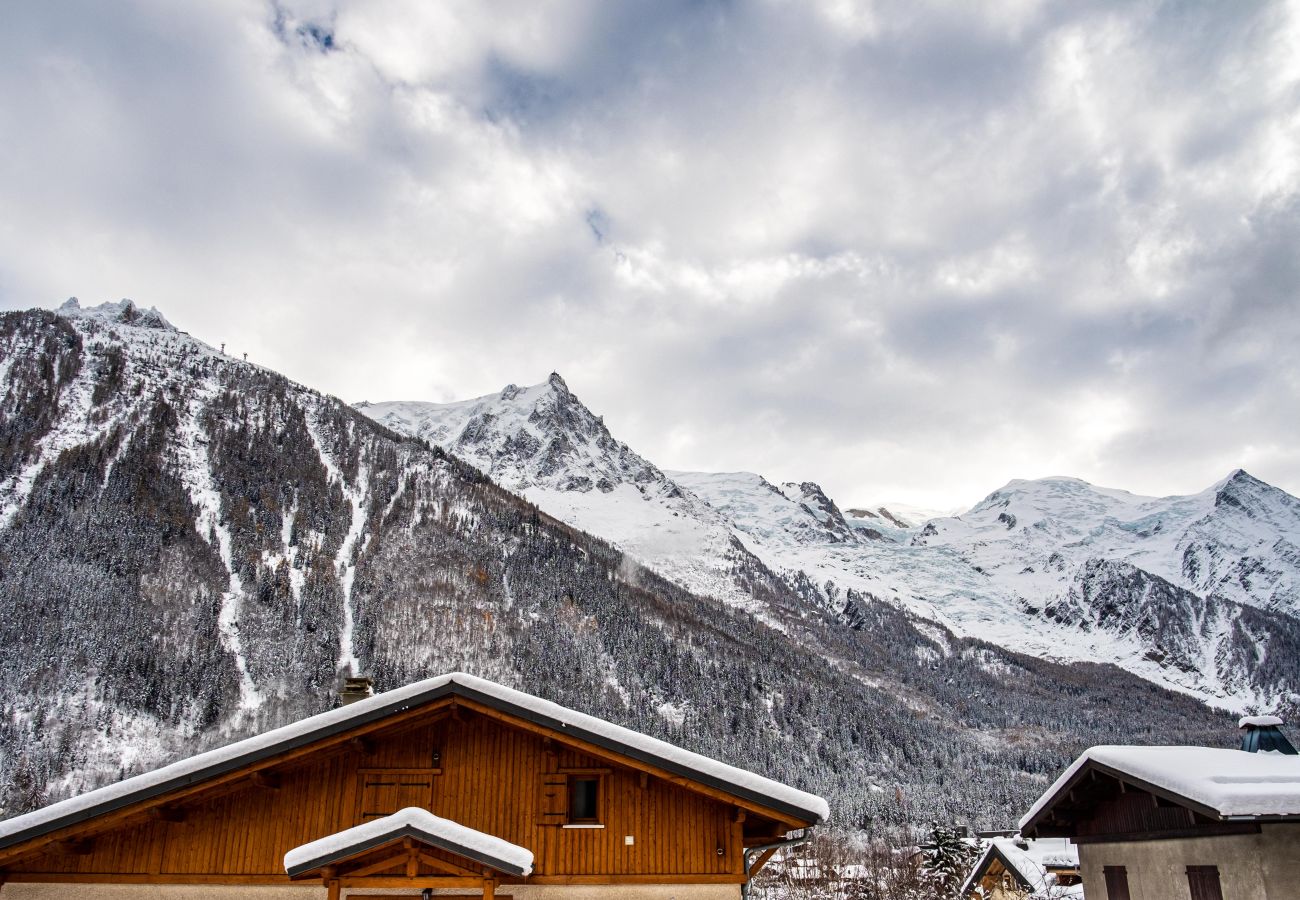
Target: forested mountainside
(193, 548)
(1195, 593)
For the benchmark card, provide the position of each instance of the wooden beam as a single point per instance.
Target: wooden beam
(78, 846)
(422, 881)
(269, 781)
(698, 878)
(444, 865)
(379, 865)
(762, 860)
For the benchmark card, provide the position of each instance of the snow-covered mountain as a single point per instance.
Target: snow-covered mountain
(193, 548)
(1210, 583)
(541, 442)
(1234, 541)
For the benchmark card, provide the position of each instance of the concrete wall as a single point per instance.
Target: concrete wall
(1264, 866)
(21, 891)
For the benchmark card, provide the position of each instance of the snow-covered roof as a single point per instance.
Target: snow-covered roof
(415, 823)
(740, 783)
(1030, 863)
(1227, 783)
(1258, 721)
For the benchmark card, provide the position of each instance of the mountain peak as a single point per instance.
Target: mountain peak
(123, 312)
(1238, 477)
(557, 382)
(1241, 489)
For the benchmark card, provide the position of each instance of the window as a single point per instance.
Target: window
(1116, 882)
(1204, 882)
(384, 793)
(584, 800)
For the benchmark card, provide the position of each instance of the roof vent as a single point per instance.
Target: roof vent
(358, 688)
(1260, 734)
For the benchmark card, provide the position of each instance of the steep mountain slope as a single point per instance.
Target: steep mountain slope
(542, 443)
(1005, 572)
(194, 547)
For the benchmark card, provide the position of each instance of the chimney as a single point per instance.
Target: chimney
(1261, 734)
(358, 688)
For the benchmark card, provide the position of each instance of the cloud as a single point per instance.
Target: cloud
(903, 250)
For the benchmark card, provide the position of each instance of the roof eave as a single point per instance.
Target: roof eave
(1031, 826)
(397, 834)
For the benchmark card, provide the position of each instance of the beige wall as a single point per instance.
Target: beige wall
(1264, 866)
(20, 891)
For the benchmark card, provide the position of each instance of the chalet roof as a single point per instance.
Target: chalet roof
(1227, 784)
(1029, 865)
(739, 783)
(421, 825)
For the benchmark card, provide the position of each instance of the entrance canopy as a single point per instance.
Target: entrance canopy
(413, 840)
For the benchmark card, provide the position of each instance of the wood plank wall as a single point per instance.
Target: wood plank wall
(487, 777)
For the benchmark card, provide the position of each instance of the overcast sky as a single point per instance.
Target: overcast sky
(907, 252)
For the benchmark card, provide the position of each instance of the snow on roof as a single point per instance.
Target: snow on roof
(1030, 862)
(195, 769)
(417, 823)
(1229, 782)
(1258, 721)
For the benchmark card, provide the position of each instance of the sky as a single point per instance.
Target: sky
(907, 250)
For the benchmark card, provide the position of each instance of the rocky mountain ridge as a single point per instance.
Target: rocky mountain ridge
(1006, 571)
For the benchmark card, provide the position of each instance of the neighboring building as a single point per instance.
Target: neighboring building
(1182, 823)
(1013, 867)
(454, 783)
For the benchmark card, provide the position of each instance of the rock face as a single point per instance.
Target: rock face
(193, 548)
(1014, 570)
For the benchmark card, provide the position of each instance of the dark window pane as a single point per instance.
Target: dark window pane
(582, 799)
(1204, 882)
(1116, 883)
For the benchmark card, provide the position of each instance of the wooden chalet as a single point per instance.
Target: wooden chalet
(1012, 867)
(1181, 823)
(451, 785)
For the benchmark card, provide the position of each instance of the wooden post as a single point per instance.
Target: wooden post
(489, 886)
(412, 860)
(333, 884)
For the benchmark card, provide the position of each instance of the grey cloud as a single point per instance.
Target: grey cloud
(911, 253)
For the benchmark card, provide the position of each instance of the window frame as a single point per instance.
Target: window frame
(597, 802)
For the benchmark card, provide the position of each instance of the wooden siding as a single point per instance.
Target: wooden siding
(489, 776)
(1135, 811)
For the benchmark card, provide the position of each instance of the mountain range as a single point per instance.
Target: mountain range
(1198, 593)
(194, 548)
